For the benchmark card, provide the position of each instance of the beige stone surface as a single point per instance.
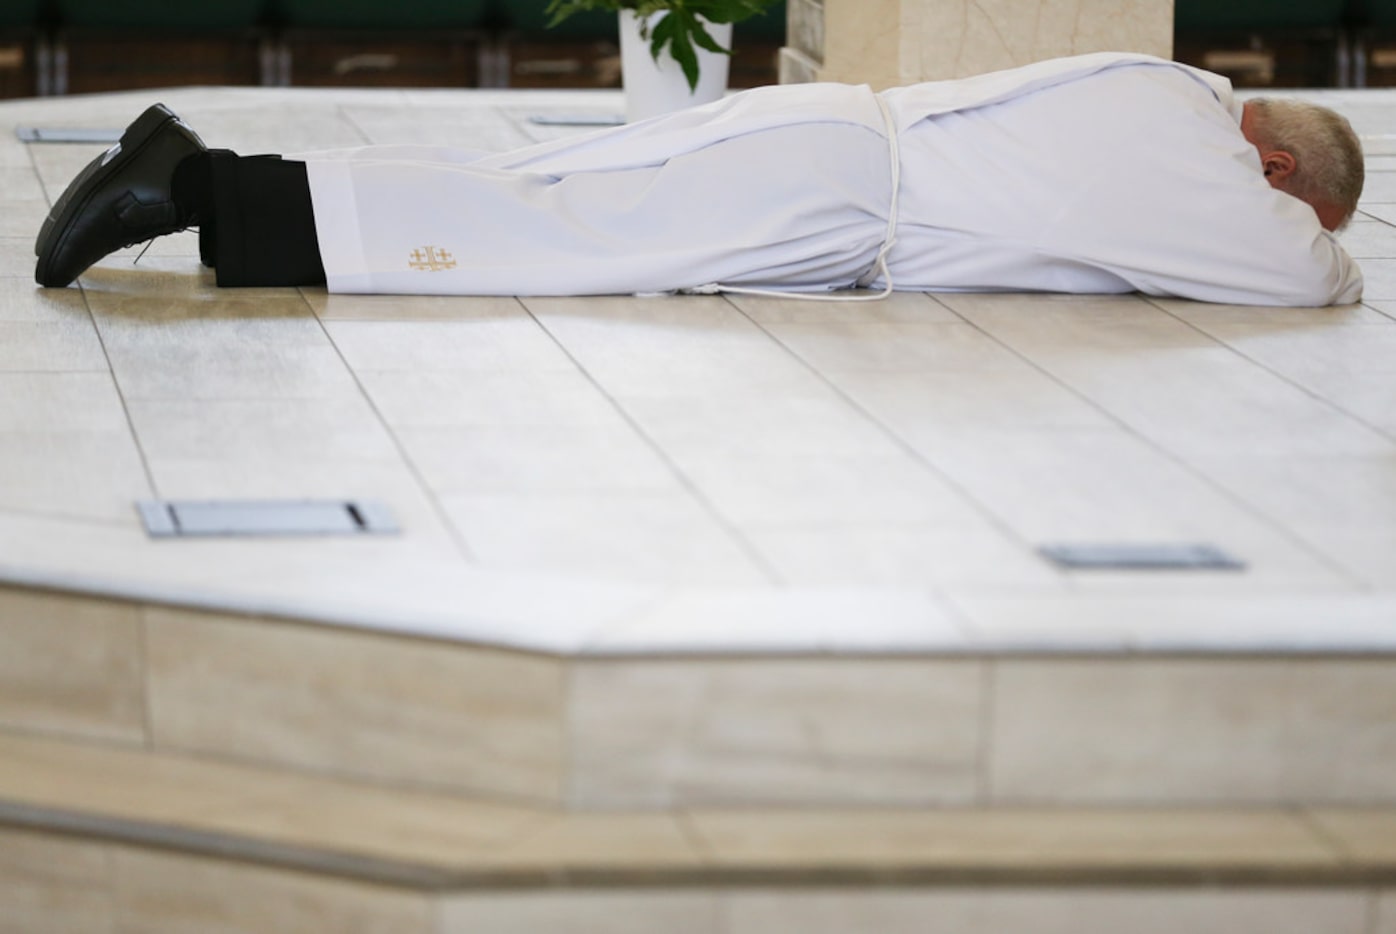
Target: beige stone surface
(862, 42)
(954, 38)
(157, 893)
(675, 733)
(13, 258)
(1362, 834)
(85, 475)
(616, 912)
(70, 665)
(1047, 911)
(605, 844)
(58, 345)
(68, 401)
(1342, 731)
(1205, 400)
(1385, 922)
(804, 26)
(369, 705)
(1045, 840)
(506, 339)
(329, 307)
(422, 830)
(101, 781)
(237, 348)
(339, 429)
(253, 808)
(52, 885)
(662, 537)
(890, 42)
(1200, 731)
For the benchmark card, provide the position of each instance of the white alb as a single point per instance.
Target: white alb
(1101, 173)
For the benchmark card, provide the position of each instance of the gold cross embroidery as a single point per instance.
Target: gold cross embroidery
(431, 259)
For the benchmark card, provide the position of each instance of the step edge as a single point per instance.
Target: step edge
(500, 876)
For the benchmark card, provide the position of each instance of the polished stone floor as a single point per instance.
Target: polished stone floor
(693, 474)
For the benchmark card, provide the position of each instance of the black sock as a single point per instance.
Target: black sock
(191, 188)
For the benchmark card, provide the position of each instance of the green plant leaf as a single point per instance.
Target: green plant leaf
(705, 39)
(681, 46)
(678, 31)
(661, 34)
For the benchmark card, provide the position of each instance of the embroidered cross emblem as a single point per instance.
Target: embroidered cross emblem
(431, 259)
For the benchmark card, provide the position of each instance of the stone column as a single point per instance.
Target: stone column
(891, 42)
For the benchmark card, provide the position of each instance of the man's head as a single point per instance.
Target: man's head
(1309, 152)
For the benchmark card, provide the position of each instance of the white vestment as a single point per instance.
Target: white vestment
(1101, 173)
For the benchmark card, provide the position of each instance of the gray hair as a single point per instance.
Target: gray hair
(1324, 146)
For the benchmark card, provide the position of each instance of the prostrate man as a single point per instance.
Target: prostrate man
(1103, 173)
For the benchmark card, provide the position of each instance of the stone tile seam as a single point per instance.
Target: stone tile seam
(438, 508)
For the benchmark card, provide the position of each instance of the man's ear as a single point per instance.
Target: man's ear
(1279, 165)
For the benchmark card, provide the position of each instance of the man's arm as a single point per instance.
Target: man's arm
(1266, 250)
(1174, 200)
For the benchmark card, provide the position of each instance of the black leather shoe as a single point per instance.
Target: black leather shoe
(121, 198)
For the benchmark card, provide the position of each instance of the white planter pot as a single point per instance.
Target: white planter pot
(653, 88)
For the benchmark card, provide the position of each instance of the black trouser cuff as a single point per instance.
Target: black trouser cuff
(263, 230)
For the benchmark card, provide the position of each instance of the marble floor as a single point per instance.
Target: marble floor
(626, 475)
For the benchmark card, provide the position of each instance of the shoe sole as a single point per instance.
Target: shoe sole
(90, 179)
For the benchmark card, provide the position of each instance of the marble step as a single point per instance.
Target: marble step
(656, 732)
(94, 835)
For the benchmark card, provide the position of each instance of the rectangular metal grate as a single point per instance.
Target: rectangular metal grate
(215, 518)
(1140, 557)
(66, 134)
(577, 119)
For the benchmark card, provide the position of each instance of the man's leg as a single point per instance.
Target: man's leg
(256, 223)
(260, 227)
(736, 210)
(799, 207)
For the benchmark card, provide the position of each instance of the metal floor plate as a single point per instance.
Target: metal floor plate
(66, 134)
(205, 518)
(1140, 557)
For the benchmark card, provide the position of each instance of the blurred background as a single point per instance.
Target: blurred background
(85, 46)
